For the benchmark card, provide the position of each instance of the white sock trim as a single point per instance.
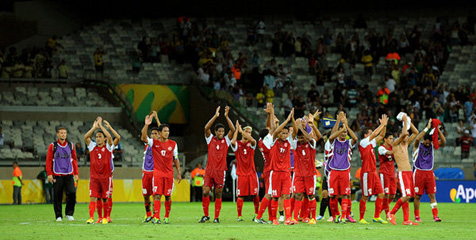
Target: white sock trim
(433, 205)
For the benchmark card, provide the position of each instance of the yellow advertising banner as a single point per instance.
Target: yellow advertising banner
(125, 190)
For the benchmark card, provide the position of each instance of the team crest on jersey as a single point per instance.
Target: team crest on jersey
(307, 146)
(169, 148)
(286, 145)
(248, 144)
(222, 141)
(102, 149)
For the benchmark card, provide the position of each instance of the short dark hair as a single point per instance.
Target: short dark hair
(101, 133)
(162, 126)
(60, 128)
(388, 135)
(300, 133)
(364, 131)
(427, 136)
(218, 126)
(263, 133)
(154, 129)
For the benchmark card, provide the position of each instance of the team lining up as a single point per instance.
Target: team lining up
(294, 187)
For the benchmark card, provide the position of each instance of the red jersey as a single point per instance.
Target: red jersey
(367, 154)
(217, 151)
(281, 156)
(164, 154)
(245, 162)
(266, 152)
(386, 161)
(305, 155)
(100, 166)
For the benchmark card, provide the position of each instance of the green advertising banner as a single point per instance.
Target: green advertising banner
(171, 102)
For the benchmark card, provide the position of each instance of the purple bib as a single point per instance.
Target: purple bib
(62, 162)
(148, 164)
(341, 154)
(424, 158)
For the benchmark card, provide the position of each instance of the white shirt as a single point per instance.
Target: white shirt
(365, 142)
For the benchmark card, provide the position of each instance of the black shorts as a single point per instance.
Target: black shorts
(324, 184)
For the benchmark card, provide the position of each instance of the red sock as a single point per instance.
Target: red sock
(362, 207)
(349, 207)
(385, 205)
(406, 211)
(270, 215)
(92, 208)
(239, 206)
(435, 212)
(274, 209)
(256, 203)
(416, 212)
(109, 207)
(312, 208)
(378, 207)
(147, 209)
(305, 208)
(157, 204)
(99, 208)
(297, 208)
(217, 207)
(293, 203)
(344, 205)
(262, 208)
(287, 208)
(334, 207)
(206, 205)
(397, 206)
(168, 206)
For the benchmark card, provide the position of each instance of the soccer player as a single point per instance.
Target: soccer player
(423, 160)
(62, 171)
(216, 163)
(248, 182)
(165, 155)
(108, 205)
(265, 150)
(148, 172)
(405, 175)
(387, 171)
(304, 179)
(339, 163)
(100, 168)
(369, 179)
(280, 175)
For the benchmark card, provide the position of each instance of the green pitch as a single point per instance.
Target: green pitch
(37, 222)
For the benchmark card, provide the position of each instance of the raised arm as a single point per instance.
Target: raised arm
(87, 136)
(104, 130)
(421, 134)
(382, 130)
(117, 137)
(209, 124)
(317, 135)
(148, 121)
(247, 136)
(414, 133)
(295, 127)
(230, 123)
(235, 134)
(336, 134)
(154, 114)
(336, 126)
(304, 132)
(283, 124)
(350, 132)
(442, 140)
(404, 132)
(268, 115)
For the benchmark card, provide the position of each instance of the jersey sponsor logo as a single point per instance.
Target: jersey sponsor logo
(169, 148)
(462, 193)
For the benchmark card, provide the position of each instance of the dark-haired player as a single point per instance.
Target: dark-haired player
(216, 163)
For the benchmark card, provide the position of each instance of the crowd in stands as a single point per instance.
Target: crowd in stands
(34, 62)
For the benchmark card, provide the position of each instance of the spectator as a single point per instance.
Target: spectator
(52, 45)
(17, 183)
(251, 34)
(79, 151)
(390, 83)
(144, 47)
(2, 137)
(287, 105)
(367, 61)
(118, 151)
(98, 62)
(47, 186)
(269, 93)
(313, 94)
(260, 27)
(62, 70)
(197, 182)
(260, 98)
(382, 94)
(466, 141)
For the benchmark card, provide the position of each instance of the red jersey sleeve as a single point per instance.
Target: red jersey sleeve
(75, 160)
(49, 160)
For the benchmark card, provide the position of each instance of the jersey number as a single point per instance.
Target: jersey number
(218, 147)
(99, 156)
(282, 150)
(163, 152)
(244, 151)
(303, 153)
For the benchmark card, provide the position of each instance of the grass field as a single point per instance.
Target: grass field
(37, 222)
